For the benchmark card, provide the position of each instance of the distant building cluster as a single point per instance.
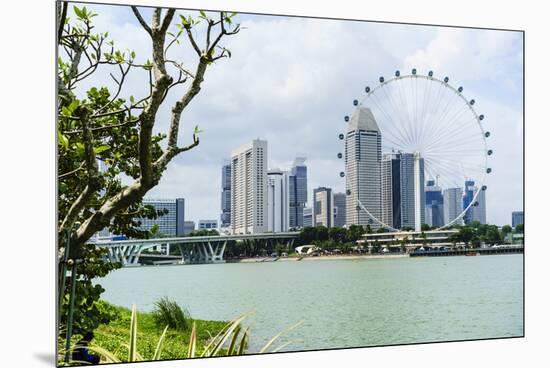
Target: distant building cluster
(388, 187)
(392, 187)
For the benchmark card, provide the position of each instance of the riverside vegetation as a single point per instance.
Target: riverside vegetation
(168, 332)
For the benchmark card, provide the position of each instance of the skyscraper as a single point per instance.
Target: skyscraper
(169, 224)
(297, 192)
(339, 209)
(225, 218)
(452, 205)
(477, 211)
(434, 204)
(517, 218)
(363, 153)
(399, 205)
(249, 188)
(277, 201)
(391, 190)
(323, 207)
(308, 216)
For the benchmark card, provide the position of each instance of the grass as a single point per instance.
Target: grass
(114, 336)
(169, 313)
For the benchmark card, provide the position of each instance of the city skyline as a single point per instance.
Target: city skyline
(325, 88)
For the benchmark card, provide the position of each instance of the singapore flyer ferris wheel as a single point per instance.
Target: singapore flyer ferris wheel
(425, 134)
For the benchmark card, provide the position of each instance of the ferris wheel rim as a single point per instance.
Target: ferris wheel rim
(384, 82)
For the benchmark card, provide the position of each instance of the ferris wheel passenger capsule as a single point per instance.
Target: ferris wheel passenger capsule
(446, 80)
(481, 117)
(460, 89)
(397, 73)
(490, 152)
(342, 174)
(489, 170)
(339, 155)
(472, 102)
(430, 74)
(487, 134)
(341, 136)
(476, 203)
(346, 118)
(381, 79)
(348, 192)
(367, 89)
(484, 187)
(355, 102)
(414, 71)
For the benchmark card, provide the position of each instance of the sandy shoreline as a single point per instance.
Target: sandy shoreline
(318, 258)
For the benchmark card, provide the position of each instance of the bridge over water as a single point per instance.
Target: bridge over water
(193, 249)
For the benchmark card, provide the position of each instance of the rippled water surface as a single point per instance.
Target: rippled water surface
(344, 303)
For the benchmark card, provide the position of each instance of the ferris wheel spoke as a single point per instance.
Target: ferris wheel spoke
(402, 136)
(454, 124)
(451, 140)
(453, 164)
(440, 120)
(398, 139)
(435, 111)
(408, 127)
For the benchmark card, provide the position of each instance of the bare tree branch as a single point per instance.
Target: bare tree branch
(72, 171)
(61, 21)
(141, 20)
(93, 173)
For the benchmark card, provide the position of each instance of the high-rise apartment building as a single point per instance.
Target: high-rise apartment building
(363, 154)
(225, 218)
(452, 205)
(277, 201)
(339, 209)
(297, 191)
(323, 207)
(249, 188)
(169, 224)
(434, 204)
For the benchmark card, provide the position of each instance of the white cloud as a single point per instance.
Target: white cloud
(291, 81)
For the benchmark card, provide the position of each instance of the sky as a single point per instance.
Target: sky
(291, 81)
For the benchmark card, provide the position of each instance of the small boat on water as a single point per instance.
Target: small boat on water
(472, 254)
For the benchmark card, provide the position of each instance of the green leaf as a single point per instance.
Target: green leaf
(63, 140)
(133, 54)
(78, 12)
(202, 14)
(197, 130)
(133, 336)
(102, 148)
(132, 100)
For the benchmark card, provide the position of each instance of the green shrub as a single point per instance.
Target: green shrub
(169, 313)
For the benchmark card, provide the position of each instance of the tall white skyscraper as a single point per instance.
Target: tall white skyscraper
(363, 153)
(249, 188)
(277, 201)
(452, 205)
